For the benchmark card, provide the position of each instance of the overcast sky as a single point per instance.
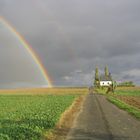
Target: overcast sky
(71, 37)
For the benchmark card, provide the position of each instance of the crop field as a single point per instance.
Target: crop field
(129, 88)
(50, 91)
(29, 116)
(130, 96)
(133, 91)
(127, 98)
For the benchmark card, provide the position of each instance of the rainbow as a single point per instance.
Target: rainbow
(29, 50)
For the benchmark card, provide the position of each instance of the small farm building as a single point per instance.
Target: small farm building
(105, 80)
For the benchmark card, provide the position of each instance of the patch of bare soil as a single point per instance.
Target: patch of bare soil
(131, 100)
(65, 123)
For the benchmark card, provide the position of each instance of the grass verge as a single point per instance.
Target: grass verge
(132, 110)
(65, 123)
(101, 90)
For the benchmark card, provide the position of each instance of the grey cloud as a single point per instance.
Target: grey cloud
(71, 35)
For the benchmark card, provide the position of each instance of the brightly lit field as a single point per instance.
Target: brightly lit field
(29, 115)
(56, 91)
(128, 91)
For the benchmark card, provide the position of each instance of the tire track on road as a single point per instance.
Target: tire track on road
(101, 120)
(106, 123)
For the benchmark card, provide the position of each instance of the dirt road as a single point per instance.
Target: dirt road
(101, 120)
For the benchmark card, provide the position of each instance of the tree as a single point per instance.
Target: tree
(96, 81)
(96, 74)
(106, 71)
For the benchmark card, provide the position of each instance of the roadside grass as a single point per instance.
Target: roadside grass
(130, 109)
(125, 91)
(101, 90)
(65, 122)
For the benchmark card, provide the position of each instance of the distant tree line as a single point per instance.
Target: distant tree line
(126, 84)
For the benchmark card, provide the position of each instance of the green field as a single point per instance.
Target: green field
(28, 117)
(127, 99)
(128, 93)
(122, 91)
(122, 105)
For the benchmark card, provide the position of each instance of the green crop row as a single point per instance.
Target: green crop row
(28, 117)
(130, 109)
(128, 93)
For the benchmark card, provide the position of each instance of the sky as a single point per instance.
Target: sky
(71, 37)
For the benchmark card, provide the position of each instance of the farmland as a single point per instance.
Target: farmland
(127, 98)
(130, 96)
(48, 91)
(128, 91)
(30, 115)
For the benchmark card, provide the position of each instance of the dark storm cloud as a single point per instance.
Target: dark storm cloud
(77, 35)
